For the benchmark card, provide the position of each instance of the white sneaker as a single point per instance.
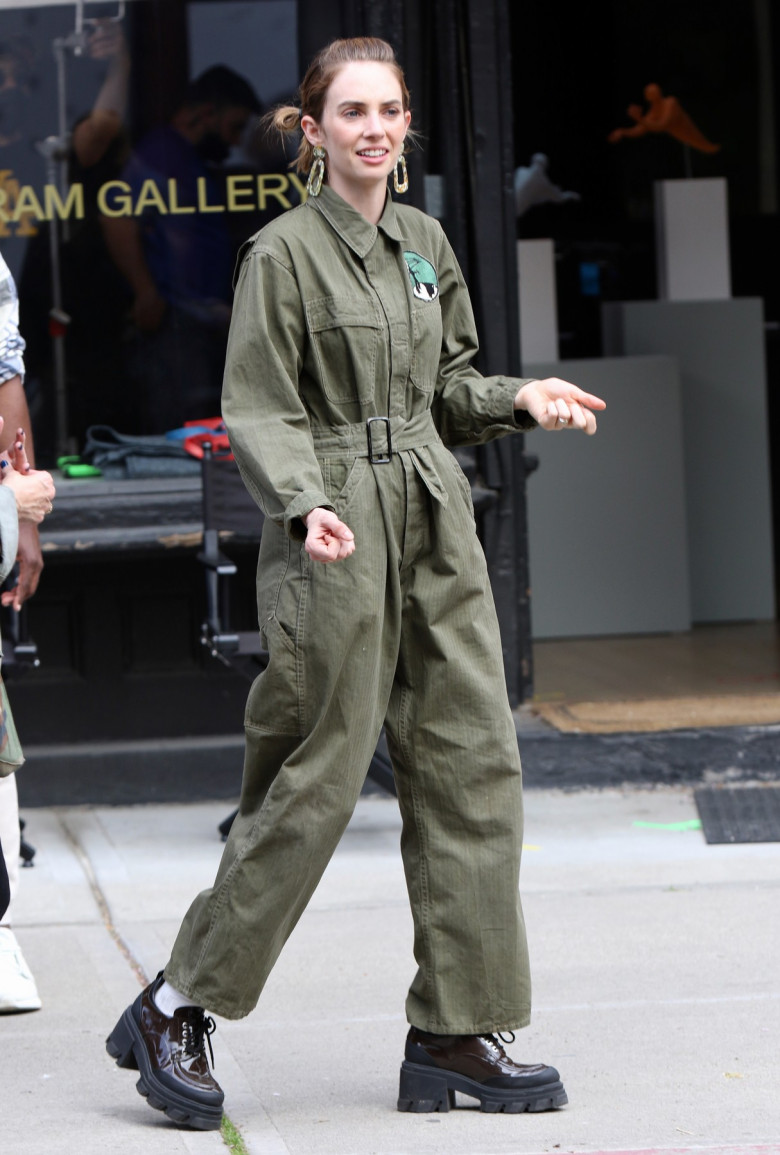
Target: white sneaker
(18, 991)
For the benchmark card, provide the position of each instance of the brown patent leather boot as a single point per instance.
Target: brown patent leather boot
(436, 1066)
(170, 1054)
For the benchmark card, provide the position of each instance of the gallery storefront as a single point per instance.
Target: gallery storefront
(132, 168)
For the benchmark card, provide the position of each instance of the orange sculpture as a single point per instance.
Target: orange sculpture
(664, 114)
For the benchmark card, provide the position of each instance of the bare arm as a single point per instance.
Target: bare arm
(123, 241)
(93, 135)
(16, 416)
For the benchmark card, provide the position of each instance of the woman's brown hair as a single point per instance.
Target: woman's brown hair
(318, 79)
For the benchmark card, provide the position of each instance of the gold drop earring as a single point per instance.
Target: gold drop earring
(400, 174)
(314, 183)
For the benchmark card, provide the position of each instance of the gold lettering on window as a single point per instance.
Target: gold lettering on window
(150, 197)
(235, 192)
(21, 206)
(203, 205)
(273, 184)
(27, 202)
(74, 202)
(298, 184)
(121, 203)
(173, 199)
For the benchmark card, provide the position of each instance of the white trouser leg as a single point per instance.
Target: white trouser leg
(17, 985)
(9, 835)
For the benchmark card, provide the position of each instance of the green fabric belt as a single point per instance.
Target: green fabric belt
(352, 440)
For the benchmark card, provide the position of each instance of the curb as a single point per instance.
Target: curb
(200, 769)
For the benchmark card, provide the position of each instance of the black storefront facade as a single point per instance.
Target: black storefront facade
(126, 703)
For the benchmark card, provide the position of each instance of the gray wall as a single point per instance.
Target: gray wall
(607, 524)
(719, 346)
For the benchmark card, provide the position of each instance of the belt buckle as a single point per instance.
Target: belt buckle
(380, 457)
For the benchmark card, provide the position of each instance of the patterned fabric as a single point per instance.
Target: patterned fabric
(11, 756)
(9, 533)
(11, 343)
(11, 364)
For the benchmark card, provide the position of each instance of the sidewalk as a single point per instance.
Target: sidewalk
(655, 958)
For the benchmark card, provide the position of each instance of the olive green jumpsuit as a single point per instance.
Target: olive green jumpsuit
(337, 321)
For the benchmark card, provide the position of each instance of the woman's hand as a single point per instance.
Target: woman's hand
(556, 404)
(16, 452)
(327, 538)
(148, 310)
(34, 491)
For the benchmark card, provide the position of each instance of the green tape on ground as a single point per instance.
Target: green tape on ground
(691, 824)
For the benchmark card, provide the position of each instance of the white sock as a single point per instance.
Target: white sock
(167, 999)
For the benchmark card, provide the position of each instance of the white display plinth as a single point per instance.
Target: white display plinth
(719, 346)
(538, 305)
(606, 514)
(692, 240)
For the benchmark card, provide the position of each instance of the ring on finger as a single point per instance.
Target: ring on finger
(563, 420)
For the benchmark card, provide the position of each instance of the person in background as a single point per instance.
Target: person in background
(178, 265)
(26, 496)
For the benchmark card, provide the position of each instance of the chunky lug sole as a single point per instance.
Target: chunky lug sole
(126, 1046)
(432, 1089)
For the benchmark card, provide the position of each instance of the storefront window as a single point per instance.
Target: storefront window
(131, 170)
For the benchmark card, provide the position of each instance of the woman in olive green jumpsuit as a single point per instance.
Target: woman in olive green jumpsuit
(348, 374)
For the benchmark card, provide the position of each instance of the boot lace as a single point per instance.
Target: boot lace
(493, 1041)
(196, 1029)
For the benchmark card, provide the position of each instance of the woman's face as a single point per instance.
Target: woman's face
(362, 128)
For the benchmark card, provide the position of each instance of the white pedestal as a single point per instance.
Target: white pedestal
(538, 305)
(692, 240)
(606, 514)
(719, 346)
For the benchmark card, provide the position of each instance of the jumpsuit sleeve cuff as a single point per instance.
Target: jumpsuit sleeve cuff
(502, 406)
(301, 505)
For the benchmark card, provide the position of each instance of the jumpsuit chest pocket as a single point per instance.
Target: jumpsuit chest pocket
(427, 336)
(344, 334)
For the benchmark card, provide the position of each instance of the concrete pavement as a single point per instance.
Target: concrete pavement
(655, 959)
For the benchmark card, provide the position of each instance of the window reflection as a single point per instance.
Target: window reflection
(129, 176)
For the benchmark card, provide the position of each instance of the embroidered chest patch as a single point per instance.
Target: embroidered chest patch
(425, 283)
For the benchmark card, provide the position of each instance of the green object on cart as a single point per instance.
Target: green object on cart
(75, 467)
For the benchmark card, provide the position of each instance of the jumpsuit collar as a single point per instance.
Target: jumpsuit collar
(352, 226)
